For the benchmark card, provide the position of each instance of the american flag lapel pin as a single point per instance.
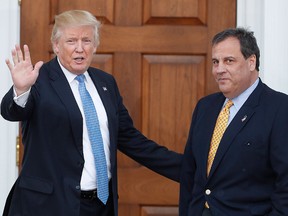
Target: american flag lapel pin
(244, 118)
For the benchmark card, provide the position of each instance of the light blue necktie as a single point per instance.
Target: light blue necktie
(95, 137)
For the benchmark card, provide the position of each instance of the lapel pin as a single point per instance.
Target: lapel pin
(244, 118)
(104, 88)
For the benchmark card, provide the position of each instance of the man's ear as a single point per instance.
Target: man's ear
(55, 47)
(252, 62)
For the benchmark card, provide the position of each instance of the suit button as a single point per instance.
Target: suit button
(207, 192)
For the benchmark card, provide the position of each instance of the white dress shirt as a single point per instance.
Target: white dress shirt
(240, 100)
(88, 178)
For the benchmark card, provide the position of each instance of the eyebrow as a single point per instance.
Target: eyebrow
(226, 57)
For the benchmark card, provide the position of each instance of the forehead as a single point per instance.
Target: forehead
(228, 47)
(77, 31)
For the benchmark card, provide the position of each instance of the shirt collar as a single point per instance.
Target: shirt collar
(69, 76)
(240, 100)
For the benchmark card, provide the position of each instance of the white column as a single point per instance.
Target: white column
(268, 20)
(276, 44)
(9, 14)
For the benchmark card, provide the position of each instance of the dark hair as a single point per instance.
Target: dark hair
(248, 42)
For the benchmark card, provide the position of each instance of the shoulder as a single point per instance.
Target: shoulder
(99, 73)
(212, 99)
(274, 95)
(274, 101)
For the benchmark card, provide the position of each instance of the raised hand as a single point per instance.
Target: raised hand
(22, 72)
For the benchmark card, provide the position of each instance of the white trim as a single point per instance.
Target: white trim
(9, 14)
(268, 19)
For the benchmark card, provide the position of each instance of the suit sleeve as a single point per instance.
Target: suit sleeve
(279, 160)
(188, 167)
(13, 112)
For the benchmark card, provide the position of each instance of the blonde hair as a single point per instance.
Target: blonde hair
(74, 18)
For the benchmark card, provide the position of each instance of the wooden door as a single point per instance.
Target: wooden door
(159, 52)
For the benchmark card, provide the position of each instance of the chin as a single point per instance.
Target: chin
(222, 87)
(224, 90)
(79, 70)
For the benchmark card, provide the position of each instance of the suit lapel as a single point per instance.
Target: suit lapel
(63, 90)
(211, 115)
(104, 92)
(239, 121)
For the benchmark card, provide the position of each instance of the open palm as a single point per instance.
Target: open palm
(23, 73)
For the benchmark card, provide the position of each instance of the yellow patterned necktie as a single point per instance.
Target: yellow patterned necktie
(219, 130)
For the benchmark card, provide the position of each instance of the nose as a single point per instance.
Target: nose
(220, 68)
(79, 46)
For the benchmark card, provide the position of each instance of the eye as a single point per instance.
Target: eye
(70, 41)
(87, 41)
(215, 62)
(229, 61)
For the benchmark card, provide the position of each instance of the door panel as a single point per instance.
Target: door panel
(159, 52)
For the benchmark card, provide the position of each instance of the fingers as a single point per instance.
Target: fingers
(26, 53)
(10, 66)
(14, 56)
(38, 65)
(17, 55)
(22, 61)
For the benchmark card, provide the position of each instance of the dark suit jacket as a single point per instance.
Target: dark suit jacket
(249, 175)
(49, 183)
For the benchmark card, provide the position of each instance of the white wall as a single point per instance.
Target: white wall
(267, 18)
(9, 16)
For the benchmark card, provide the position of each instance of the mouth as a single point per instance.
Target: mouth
(221, 79)
(79, 59)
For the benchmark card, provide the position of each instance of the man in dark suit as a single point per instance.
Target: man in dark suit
(59, 175)
(249, 173)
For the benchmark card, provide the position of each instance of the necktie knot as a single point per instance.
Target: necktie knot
(228, 104)
(80, 78)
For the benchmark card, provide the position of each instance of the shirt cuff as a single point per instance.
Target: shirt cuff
(22, 99)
